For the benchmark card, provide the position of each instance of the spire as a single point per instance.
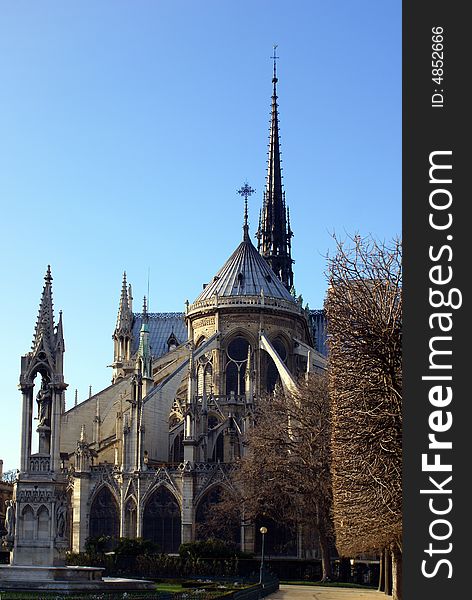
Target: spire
(144, 358)
(44, 332)
(47, 349)
(122, 322)
(246, 190)
(246, 225)
(145, 312)
(130, 297)
(122, 335)
(273, 235)
(60, 345)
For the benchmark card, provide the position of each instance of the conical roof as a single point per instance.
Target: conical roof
(245, 273)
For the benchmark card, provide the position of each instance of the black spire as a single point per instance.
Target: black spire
(274, 233)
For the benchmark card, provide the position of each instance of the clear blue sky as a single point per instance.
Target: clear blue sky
(126, 128)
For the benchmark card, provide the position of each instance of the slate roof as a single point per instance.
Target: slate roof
(245, 273)
(161, 325)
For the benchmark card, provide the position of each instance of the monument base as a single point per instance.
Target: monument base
(66, 580)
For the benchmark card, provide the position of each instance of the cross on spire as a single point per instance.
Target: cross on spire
(246, 190)
(275, 57)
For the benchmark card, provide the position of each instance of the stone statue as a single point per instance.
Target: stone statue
(43, 399)
(61, 517)
(10, 519)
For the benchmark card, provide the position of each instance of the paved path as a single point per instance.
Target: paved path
(306, 592)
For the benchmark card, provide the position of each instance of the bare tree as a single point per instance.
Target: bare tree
(364, 313)
(285, 474)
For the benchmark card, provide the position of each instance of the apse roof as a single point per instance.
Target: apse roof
(161, 327)
(245, 273)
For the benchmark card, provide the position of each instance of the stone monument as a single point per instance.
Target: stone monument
(37, 519)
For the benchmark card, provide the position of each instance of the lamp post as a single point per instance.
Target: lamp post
(263, 531)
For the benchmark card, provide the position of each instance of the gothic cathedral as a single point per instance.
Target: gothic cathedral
(148, 456)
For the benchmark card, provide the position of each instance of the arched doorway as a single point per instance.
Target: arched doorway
(162, 521)
(104, 515)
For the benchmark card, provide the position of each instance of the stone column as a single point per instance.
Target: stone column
(189, 450)
(139, 508)
(188, 512)
(218, 374)
(123, 532)
(56, 411)
(80, 515)
(26, 426)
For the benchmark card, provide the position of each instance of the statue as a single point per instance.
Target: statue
(43, 399)
(61, 517)
(10, 519)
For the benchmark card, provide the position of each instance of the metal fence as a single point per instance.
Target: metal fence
(191, 594)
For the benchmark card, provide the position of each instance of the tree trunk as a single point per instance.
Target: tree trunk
(388, 572)
(381, 587)
(325, 558)
(397, 580)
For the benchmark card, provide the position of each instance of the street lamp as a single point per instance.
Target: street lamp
(263, 531)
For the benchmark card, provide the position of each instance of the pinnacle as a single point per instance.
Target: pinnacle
(48, 276)
(44, 330)
(123, 322)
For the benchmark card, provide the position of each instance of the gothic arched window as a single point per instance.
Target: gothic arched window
(162, 521)
(177, 452)
(104, 517)
(43, 523)
(236, 360)
(204, 375)
(220, 526)
(28, 522)
(130, 519)
(219, 449)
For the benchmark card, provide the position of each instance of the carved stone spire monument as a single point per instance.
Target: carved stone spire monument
(40, 492)
(38, 534)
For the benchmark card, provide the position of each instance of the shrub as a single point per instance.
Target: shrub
(135, 547)
(211, 548)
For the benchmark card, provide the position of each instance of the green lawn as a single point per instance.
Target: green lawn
(169, 587)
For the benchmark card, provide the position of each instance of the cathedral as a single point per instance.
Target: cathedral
(147, 456)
